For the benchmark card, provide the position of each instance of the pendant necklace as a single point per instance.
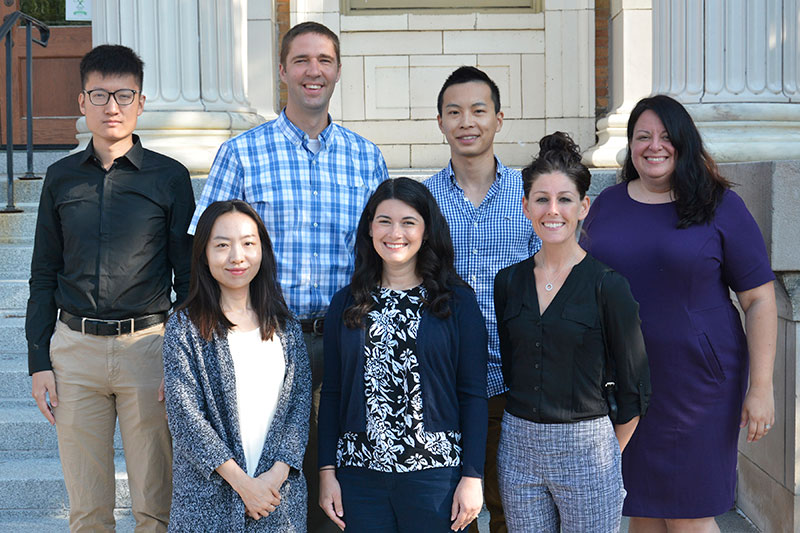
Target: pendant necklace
(549, 285)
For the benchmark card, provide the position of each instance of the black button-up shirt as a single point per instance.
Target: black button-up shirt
(108, 241)
(553, 361)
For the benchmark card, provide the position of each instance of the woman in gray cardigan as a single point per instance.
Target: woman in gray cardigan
(238, 386)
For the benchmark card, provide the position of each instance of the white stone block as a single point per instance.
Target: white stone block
(494, 42)
(374, 22)
(619, 5)
(516, 155)
(259, 10)
(428, 74)
(433, 156)
(314, 6)
(351, 86)
(262, 73)
(569, 64)
(510, 21)
(386, 94)
(455, 21)
(520, 131)
(335, 107)
(391, 43)
(397, 132)
(505, 71)
(533, 86)
(331, 20)
(580, 129)
(396, 155)
(563, 5)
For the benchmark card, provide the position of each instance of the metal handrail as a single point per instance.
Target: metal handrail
(44, 36)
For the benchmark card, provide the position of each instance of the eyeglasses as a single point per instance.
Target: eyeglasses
(121, 96)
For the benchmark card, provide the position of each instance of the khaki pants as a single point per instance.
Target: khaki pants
(491, 490)
(98, 379)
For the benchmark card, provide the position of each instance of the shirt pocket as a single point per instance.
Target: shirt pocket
(275, 203)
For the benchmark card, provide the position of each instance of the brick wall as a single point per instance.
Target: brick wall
(602, 14)
(282, 18)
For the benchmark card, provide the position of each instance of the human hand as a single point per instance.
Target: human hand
(44, 383)
(259, 500)
(467, 502)
(758, 412)
(275, 477)
(330, 497)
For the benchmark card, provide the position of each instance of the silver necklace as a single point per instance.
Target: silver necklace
(549, 285)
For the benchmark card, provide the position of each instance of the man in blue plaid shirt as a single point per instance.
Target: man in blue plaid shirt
(309, 180)
(482, 202)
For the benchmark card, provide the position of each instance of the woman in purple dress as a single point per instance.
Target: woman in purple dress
(682, 238)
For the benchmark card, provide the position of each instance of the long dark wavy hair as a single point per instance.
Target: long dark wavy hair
(202, 304)
(434, 259)
(696, 182)
(558, 153)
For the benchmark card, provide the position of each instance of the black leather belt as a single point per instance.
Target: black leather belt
(95, 326)
(313, 325)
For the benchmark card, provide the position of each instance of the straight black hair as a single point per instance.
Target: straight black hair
(112, 60)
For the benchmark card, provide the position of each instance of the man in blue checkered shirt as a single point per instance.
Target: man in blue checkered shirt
(309, 180)
(482, 202)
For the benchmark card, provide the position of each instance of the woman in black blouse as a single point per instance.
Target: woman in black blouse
(559, 455)
(402, 416)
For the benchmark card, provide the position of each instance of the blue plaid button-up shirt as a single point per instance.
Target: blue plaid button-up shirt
(310, 203)
(486, 239)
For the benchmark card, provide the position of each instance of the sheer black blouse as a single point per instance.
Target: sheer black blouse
(553, 362)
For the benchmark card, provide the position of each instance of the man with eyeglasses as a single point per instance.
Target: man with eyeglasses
(110, 235)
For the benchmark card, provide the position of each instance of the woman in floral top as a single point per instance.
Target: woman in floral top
(402, 420)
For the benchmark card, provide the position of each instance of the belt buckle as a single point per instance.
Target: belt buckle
(317, 323)
(83, 325)
(120, 322)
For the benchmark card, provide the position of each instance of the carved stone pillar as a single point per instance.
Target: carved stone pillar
(631, 56)
(734, 65)
(195, 76)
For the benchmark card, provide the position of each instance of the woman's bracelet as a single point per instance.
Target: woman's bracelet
(327, 468)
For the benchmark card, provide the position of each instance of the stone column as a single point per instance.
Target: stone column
(630, 61)
(195, 78)
(734, 65)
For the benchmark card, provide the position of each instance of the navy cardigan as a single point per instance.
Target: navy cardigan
(452, 354)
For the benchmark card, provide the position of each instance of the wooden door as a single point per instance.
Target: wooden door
(56, 83)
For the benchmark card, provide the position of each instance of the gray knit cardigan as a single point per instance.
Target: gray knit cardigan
(200, 391)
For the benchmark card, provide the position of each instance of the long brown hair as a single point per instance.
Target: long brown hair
(202, 304)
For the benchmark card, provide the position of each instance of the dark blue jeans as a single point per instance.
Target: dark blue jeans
(384, 502)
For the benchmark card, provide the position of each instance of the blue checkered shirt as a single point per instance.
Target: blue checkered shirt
(310, 203)
(486, 239)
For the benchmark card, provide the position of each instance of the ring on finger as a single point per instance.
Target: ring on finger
(767, 426)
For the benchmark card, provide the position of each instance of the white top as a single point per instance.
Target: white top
(314, 145)
(260, 368)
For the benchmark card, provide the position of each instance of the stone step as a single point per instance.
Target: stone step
(13, 294)
(25, 433)
(38, 484)
(25, 191)
(12, 334)
(15, 383)
(18, 228)
(41, 160)
(32, 521)
(15, 261)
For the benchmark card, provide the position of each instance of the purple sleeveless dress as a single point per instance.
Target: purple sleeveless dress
(681, 461)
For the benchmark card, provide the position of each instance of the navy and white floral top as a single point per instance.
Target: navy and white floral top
(395, 439)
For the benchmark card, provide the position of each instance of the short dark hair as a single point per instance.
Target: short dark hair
(202, 304)
(434, 259)
(465, 75)
(696, 182)
(112, 60)
(308, 27)
(558, 153)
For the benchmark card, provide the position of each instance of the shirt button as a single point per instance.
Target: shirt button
(475, 224)
(536, 388)
(534, 410)
(475, 251)
(473, 278)
(538, 344)
(316, 254)
(536, 365)
(315, 193)
(315, 285)
(315, 224)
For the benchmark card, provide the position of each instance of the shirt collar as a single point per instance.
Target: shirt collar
(298, 137)
(134, 155)
(500, 171)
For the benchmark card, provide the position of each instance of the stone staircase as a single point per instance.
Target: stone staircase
(33, 498)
